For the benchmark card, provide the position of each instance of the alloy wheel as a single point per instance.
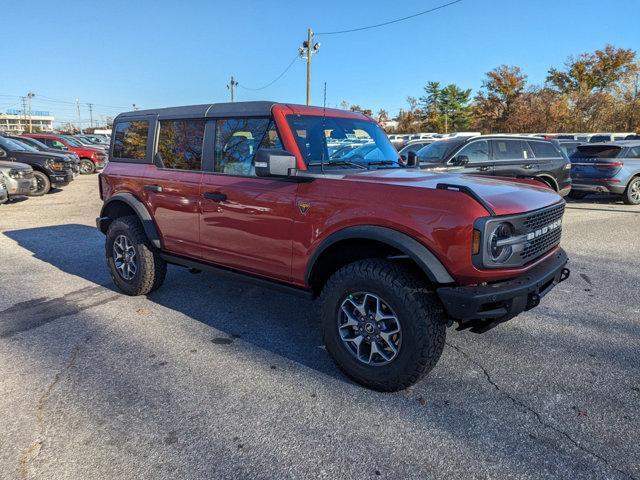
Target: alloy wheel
(369, 329)
(634, 191)
(124, 257)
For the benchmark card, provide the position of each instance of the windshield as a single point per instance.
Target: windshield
(342, 142)
(73, 142)
(12, 145)
(433, 153)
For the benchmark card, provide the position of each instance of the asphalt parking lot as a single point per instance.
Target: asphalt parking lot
(209, 378)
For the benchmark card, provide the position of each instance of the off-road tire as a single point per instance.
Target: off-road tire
(577, 194)
(627, 196)
(43, 184)
(151, 267)
(418, 309)
(87, 167)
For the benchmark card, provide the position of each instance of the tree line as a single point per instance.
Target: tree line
(593, 92)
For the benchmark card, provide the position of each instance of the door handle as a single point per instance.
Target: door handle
(215, 196)
(529, 166)
(152, 188)
(483, 169)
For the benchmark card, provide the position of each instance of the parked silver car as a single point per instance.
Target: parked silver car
(4, 196)
(18, 178)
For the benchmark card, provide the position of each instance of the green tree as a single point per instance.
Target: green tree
(445, 109)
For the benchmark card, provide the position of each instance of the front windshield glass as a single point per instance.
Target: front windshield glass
(433, 153)
(73, 142)
(342, 142)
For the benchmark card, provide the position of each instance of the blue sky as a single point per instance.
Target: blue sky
(162, 53)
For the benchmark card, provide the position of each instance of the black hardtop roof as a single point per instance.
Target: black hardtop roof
(229, 109)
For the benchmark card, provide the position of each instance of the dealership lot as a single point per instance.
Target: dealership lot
(213, 378)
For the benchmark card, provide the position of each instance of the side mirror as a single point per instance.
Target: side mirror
(412, 159)
(274, 163)
(461, 160)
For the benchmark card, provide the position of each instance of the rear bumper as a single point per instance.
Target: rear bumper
(599, 187)
(501, 301)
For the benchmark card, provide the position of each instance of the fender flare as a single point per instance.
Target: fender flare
(427, 261)
(141, 211)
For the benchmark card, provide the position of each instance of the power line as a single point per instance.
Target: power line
(274, 80)
(391, 21)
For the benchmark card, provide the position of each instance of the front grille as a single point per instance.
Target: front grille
(542, 244)
(543, 218)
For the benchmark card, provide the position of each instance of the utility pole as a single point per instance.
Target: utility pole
(78, 109)
(134, 106)
(24, 109)
(30, 95)
(90, 105)
(231, 87)
(309, 49)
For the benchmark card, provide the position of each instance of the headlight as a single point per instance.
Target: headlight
(14, 173)
(567, 166)
(498, 244)
(54, 164)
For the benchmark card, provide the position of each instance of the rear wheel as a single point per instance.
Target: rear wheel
(631, 195)
(135, 265)
(381, 325)
(577, 194)
(86, 166)
(43, 185)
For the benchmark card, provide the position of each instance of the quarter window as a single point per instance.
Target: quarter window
(130, 139)
(238, 139)
(477, 151)
(634, 152)
(544, 150)
(180, 144)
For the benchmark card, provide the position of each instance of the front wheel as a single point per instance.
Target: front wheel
(381, 325)
(86, 166)
(43, 185)
(135, 265)
(631, 195)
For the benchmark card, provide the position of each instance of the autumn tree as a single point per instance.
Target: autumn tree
(496, 100)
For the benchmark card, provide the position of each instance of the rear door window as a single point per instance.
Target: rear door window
(506, 150)
(130, 139)
(180, 144)
(544, 150)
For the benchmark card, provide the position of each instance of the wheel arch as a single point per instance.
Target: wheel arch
(125, 204)
(356, 243)
(549, 180)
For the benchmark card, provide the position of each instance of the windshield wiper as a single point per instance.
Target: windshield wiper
(340, 162)
(385, 162)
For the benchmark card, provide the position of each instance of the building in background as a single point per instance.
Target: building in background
(17, 121)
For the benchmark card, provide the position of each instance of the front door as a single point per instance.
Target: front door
(246, 221)
(479, 160)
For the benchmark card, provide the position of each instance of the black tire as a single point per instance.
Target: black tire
(150, 269)
(43, 185)
(631, 195)
(422, 319)
(87, 167)
(577, 194)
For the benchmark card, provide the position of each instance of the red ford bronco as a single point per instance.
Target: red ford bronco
(316, 201)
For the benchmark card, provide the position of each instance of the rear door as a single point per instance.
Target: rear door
(513, 158)
(172, 182)
(246, 221)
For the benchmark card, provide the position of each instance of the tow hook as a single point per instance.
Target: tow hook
(564, 274)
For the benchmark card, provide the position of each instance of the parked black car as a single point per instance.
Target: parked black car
(41, 147)
(413, 146)
(49, 171)
(569, 146)
(505, 156)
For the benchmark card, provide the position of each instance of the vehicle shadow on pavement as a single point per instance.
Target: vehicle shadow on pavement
(280, 323)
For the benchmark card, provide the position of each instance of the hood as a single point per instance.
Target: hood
(503, 195)
(15, 165)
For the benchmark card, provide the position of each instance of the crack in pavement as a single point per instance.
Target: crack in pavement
(33, 450)
(538, 417)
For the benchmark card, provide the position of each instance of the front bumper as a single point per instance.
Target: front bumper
(60, 179)
(20, 186)
(482, 307)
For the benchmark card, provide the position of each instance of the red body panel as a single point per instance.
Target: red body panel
(260, 229)
(81, 152)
